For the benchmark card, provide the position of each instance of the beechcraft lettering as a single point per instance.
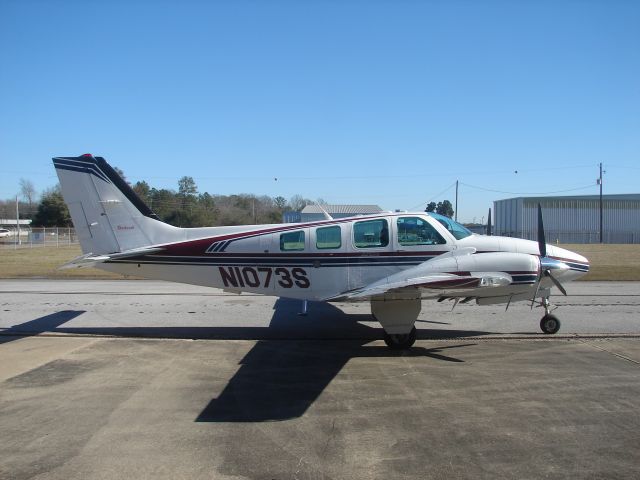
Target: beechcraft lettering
(394, 261)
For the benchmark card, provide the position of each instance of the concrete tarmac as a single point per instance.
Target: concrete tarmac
(127, 380)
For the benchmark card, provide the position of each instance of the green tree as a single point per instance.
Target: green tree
(431, 207)
(187, 186)
(52, 211)
(143, 190)
(163, 202)
(206, 211)
(445, 208)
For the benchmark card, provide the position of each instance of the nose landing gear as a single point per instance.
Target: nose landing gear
(549, 323)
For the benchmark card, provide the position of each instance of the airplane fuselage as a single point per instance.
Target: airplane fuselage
(321, 260)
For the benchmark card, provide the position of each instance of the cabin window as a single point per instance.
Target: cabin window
(328, 237)
(292, 241)
(417, 231)
(371, 233)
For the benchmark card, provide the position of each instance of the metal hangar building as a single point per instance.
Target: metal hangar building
(312, 213)
(571, 219)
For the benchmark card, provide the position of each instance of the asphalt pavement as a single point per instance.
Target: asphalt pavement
(155, 380)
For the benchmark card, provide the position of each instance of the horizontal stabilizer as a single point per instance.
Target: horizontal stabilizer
(91, 260)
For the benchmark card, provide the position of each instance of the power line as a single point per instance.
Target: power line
(527, 193)
(622, 166)
(434, 197)
(362, 177)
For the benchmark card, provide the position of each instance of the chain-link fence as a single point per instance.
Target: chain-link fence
(39, 237)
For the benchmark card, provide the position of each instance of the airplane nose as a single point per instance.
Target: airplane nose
(575, 261)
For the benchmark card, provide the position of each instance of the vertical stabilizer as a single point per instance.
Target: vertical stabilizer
(108, 215)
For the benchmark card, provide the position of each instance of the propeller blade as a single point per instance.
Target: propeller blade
(556, 282)
(539, 279)
(542, 244)
(489, 227)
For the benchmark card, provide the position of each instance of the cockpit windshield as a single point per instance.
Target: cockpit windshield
(455, 229)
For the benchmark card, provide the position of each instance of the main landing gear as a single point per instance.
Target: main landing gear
(549, 323)
(400, 341)
(398, 318)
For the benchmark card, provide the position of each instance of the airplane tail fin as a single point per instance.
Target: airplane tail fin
(108, 215)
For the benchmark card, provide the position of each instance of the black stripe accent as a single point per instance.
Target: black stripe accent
(79, 167)
(124, 187)
(259, 264)
(99, 167)
(580, 267)
(266, 259)
(214, 247)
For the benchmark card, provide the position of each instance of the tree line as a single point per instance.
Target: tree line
(184, 207)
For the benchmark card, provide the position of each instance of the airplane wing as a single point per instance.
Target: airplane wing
(461, 271)
(436, 281)
(91, 260)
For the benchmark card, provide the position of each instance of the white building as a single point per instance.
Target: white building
(12, 224)
(312, 213)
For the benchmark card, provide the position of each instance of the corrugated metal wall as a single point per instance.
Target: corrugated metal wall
(569, 220)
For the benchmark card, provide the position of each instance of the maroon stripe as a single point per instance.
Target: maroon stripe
(170, 252)
(570, 260)
(203, 243)
(455, 282)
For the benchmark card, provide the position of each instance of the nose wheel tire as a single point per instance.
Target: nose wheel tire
(550, 324)
(401, 341)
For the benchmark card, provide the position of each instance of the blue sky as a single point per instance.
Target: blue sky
(386, 102)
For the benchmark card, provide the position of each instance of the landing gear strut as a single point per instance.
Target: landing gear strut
(549, 323)
(397, 317)
(400, 341)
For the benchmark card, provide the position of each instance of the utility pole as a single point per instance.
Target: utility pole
(600, 183)
(254, 211)
(456, 212)
(17, 222)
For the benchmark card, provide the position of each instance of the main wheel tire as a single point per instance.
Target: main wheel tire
(401, 341)
(550, 324)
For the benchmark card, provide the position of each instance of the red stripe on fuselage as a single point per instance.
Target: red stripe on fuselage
(200, 245)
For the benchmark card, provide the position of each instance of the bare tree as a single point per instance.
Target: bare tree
(28, 191)
(297, 203)
(280, 203)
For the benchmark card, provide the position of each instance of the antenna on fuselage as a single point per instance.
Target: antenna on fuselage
(324, 212)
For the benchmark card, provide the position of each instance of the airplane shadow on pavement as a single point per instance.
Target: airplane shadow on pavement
(48, 323)
(280, 380)
(289, 366)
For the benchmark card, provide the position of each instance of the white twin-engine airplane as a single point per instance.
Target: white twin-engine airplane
(393, 260)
